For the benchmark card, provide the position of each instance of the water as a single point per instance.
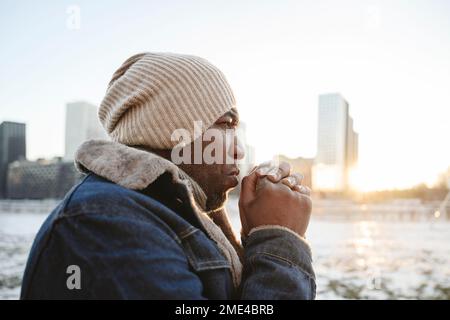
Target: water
(403, 254)
(356, 256)
(17, 231)
(381, 259)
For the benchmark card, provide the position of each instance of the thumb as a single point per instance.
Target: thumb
(248, 188)
(248, 193)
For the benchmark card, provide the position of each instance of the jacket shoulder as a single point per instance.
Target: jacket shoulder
(95, 194)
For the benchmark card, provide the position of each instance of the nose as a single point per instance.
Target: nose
(238, 149)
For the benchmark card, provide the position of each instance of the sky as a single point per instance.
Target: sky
(389, 59)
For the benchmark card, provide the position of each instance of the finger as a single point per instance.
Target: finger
(253, 170)
(293, 180)
(248, 187)
(264, 168)
(273, 174)
(283, 171)
(296, 178)
(289, 181)
(302, 189)
(261, 183)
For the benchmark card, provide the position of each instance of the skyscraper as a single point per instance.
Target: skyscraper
(12, 147)
(337, 144)
(81, 124)
(300, 165)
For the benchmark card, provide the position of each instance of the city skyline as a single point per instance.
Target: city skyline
(389, 59)
(12, 147)
(331, 169)
(81, 124)
(337, 144)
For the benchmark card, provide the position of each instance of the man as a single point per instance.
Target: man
(147, 222)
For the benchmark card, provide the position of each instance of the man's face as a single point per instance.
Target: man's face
(218, 178)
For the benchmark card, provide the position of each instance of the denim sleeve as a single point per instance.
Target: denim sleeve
(277, 265)
(122, 258)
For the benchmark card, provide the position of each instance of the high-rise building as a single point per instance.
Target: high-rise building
(12, 147)
(300, 165)
(337, 144)
(81, 124)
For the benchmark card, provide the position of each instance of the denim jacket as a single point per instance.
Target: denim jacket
(132, 244)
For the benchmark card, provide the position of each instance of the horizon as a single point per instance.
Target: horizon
(388, 60)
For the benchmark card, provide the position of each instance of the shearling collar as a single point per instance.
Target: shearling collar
(131, 168)
(136, 169)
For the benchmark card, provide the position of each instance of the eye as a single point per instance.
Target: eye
(228, 122)
(233, 123)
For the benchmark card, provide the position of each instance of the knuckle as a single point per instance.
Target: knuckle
(307, 190)
(285, 164)
(301, 200)
(298, 177)
(264, 188)
(280, 188)
(305, 202)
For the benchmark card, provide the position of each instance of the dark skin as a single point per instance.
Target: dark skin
(270, 195)
(215, 179)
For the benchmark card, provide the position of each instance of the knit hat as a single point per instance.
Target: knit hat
(152, 94)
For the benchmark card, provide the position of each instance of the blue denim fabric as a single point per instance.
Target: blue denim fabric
(130, 246)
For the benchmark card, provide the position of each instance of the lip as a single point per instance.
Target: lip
(232, 180)
(233, 172)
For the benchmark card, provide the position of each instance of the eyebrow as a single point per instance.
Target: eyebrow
(233, 113)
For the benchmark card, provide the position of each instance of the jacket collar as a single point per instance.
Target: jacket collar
(136, 169)
(130, 167)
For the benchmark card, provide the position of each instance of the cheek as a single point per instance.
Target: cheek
(221, 140)
(214, 172)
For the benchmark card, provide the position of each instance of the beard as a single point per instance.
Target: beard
(216, 201)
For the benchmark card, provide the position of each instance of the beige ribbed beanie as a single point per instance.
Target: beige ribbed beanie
(152, 94)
